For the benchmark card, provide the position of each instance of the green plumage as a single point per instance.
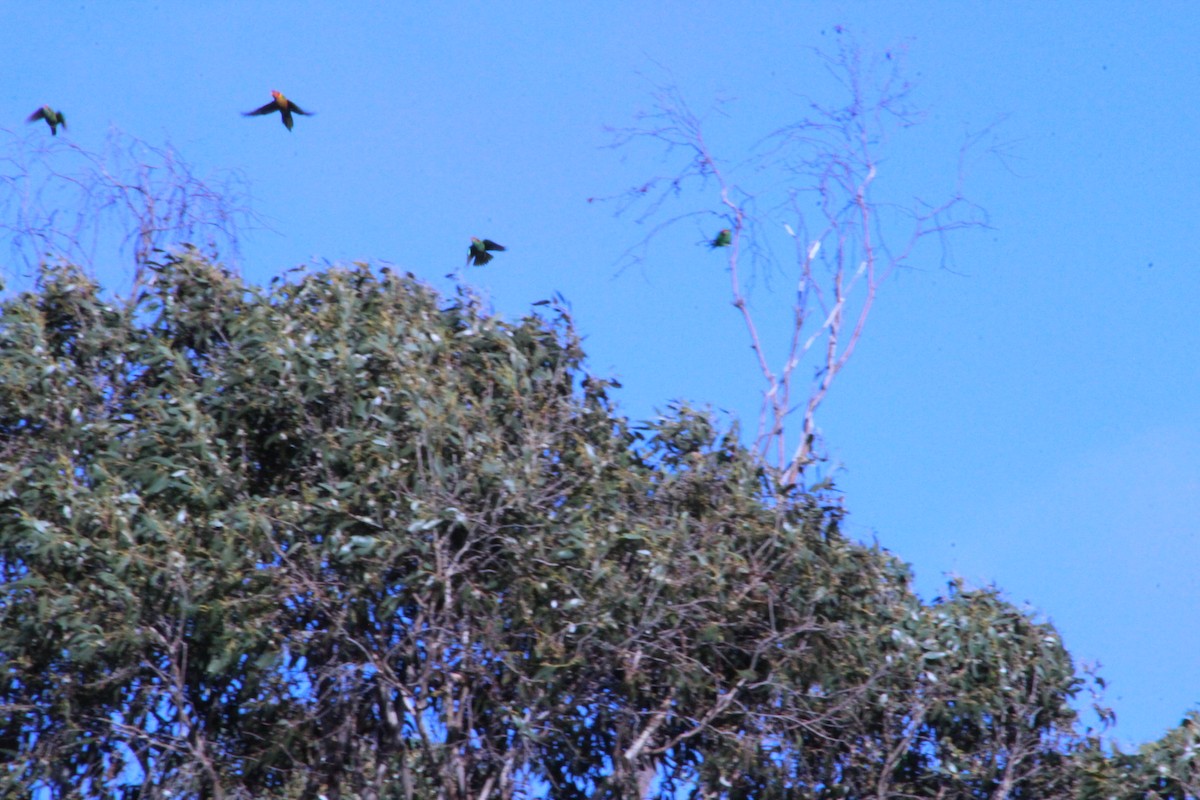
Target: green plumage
(478, 253)
(53, 118)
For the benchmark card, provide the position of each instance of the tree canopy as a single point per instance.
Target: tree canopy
(342, 537)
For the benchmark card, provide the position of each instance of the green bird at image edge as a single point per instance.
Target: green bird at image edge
(53, 118)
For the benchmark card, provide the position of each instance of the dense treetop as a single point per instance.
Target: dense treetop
(340, 536)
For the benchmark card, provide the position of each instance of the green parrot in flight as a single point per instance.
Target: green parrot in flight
(724, 239)
(478, 253)
(53, 118)
(281, 104)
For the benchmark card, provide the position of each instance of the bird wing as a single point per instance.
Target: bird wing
(267, 109)
(39, 114)
(292, 105)
(488, 244)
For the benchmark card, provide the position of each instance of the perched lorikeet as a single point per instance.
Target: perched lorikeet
(53, 118)
(478, 253)
(281, 104)
(724, 239)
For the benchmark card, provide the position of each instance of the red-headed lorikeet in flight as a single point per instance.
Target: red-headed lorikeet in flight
(281, 104)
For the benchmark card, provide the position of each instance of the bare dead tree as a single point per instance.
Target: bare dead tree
(62, 201)
(815, 180)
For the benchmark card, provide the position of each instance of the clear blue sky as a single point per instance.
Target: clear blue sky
(1031, 419)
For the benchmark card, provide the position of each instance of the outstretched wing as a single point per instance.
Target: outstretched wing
(292, 106)
(267, 109)
(39, 114)
(488, 244)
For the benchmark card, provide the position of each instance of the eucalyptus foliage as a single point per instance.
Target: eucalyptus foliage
(342, 537)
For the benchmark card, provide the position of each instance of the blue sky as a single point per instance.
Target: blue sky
(1029, 418)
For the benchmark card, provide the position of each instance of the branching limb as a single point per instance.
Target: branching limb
(815, 179)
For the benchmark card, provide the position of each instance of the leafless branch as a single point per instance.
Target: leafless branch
(62, 201)
(815, 179)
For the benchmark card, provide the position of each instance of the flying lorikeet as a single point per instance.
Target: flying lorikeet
(53, 118)
(478, 253)
(281, 104)
(724, 239)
